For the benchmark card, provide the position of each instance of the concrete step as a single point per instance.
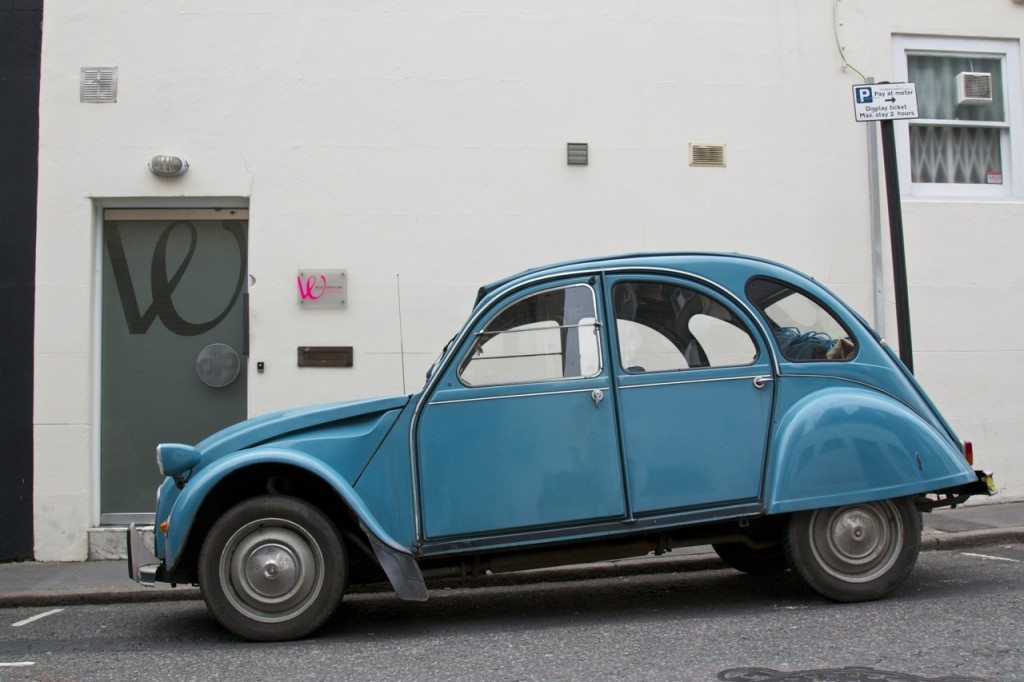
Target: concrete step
(111, 542)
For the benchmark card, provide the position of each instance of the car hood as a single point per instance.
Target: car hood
(276, 425)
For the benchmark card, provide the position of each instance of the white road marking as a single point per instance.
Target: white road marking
(17, 664)
(986, 556)
(35, 618)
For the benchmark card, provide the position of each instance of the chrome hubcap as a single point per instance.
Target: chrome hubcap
(859, 542)
(271, 570)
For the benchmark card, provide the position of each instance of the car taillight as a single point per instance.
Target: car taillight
(969, 452)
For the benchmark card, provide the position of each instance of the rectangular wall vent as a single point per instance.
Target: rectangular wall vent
(99, 84)
(707, 155)
(577, 154)
(973, 88)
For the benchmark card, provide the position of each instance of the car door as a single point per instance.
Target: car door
(520, 431)
(694, 394)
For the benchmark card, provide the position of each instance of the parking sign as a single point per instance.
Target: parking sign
(885, 101)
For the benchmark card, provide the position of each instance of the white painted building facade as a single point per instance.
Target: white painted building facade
(421, 147)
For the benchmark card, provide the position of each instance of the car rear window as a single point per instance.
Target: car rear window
(804, 329)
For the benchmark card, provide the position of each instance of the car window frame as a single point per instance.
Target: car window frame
(751, 325)
(462, 358)
(833, 311)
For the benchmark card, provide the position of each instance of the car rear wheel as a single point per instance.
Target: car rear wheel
(856, 552)
(272, 568)
(766, 560)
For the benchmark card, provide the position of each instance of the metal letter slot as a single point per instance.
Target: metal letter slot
(325, 356)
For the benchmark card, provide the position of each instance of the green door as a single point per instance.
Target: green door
(173, 341)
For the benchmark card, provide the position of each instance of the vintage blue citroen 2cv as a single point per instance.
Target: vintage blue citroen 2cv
(591, 409)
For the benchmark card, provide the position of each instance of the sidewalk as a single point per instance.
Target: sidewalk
(33, 583)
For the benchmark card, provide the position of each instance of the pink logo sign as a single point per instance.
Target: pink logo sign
(313, 288)
(322, 288)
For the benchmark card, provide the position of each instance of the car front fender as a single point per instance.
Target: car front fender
(394, 558)
(851, 444)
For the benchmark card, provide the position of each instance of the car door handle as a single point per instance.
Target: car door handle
(597, 395)
(761, 382)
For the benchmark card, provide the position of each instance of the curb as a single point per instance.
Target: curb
(100, 596)
(972, 538)
(651, 566)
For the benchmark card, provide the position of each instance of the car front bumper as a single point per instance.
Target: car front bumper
(143, 566)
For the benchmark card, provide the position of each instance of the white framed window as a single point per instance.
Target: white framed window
(969, 140)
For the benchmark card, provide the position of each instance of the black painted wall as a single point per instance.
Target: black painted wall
(20, 44)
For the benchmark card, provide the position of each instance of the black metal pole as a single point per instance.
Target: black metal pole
(899, 257)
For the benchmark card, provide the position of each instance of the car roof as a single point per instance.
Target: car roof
(698, 262)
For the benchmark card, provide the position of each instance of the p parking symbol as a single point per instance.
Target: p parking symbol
(863, 94)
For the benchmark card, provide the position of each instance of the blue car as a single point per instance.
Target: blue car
(591, 409)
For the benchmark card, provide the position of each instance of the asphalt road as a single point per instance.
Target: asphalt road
(960, 615)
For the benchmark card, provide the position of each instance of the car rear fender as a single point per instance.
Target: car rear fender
(850, 444)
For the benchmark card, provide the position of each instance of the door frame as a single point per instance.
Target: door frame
(99, 205)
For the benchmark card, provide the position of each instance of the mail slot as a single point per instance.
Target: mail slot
(325, 356)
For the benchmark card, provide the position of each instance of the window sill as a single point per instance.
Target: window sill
(954, 199)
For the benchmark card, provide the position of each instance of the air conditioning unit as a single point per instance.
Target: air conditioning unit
(973, 88)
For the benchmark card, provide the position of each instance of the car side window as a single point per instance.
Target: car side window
(666, 327)
(803, 328)
(546, 336)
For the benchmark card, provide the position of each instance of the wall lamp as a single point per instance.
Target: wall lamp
(168, 166)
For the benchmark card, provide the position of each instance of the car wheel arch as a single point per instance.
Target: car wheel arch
(218, 488)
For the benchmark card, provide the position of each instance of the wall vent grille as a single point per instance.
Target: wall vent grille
(99, 84)
(707, 155)
(577, 154)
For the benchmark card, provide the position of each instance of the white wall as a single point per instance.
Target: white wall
(428, 140)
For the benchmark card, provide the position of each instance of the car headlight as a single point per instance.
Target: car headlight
(174, 459)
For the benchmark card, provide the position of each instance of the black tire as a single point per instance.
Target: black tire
(761, 561)
(273, 568)
(857, 552)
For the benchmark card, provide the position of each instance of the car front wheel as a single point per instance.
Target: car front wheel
(856, 552)
(272, 568)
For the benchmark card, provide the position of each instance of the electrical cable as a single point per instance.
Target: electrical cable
(839, 46)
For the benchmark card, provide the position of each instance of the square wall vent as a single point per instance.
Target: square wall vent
(577, 154)
(707, 155)
(99, 84)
